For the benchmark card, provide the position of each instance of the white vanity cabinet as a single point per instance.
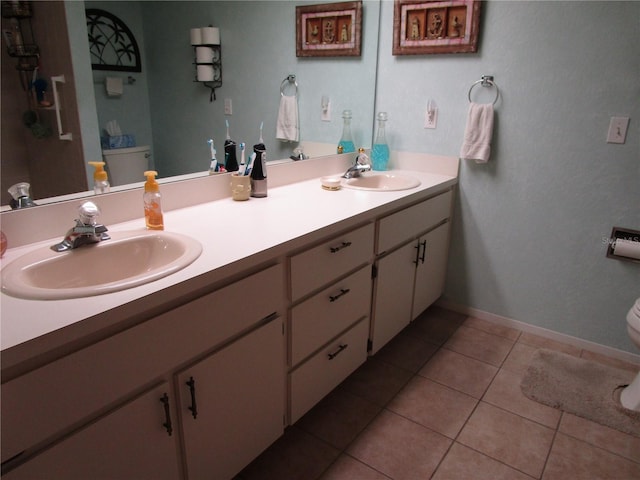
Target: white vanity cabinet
(329, 329)
(68, 405)
(201, 389)
(412, 253)
(232, 404)
(130, 442)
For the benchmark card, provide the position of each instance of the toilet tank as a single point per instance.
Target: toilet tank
(127, 165)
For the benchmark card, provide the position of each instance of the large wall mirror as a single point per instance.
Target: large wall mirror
(162, 106)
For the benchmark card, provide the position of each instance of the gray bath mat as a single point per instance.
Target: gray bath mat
(582, 387)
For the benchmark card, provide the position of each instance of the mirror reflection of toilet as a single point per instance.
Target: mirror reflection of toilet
(630, 396)
(127, 165)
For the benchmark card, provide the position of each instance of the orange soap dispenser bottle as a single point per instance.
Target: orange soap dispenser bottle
(152, 202)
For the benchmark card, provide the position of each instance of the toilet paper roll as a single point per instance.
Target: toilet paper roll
(196, 36)
(204, 54)
(205, 73)
(627, 248)
(210, 36)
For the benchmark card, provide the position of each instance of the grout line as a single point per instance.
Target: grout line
(553, 442)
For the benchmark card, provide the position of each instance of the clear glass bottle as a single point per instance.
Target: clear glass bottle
(380, 150)
(346, 141)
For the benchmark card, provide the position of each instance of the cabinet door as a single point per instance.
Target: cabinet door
(239, 399)
(394, 293)
(131, 442)
(431, 271)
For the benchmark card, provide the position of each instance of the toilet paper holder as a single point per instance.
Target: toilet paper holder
(630, 238)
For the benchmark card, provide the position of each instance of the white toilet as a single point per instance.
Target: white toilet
(630, 396)
(127, 165)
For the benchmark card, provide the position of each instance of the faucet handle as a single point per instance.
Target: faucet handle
(362, 158)
(88, 213)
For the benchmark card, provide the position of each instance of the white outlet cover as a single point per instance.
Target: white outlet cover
(431, 118)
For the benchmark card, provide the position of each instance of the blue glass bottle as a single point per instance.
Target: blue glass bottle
(380, 150)
(346, 144)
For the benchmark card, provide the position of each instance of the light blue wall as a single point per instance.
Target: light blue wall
(258, 52)
(529, 225)
(131, 110)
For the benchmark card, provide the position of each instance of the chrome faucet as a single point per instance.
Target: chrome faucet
(361, 164)
(298, 154)
(86, 230)
(20, 196)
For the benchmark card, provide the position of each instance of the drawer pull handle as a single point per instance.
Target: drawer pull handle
(339, 351)
(340, 247)
(167, 424)
(192, 388)
(343, 291)
(420, 258)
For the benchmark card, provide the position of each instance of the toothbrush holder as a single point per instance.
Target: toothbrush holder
(240, 187)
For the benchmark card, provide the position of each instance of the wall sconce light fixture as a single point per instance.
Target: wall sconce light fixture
(208, 62)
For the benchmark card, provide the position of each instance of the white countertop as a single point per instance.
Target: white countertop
(234, 236)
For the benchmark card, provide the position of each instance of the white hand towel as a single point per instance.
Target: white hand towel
(287, 125)
(114, 86)
(477, 136)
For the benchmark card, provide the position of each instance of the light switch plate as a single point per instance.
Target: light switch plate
(618, 130)
(325, 106)
(228, 106)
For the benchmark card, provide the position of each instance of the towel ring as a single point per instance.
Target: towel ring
(485, 81)
(289, 80)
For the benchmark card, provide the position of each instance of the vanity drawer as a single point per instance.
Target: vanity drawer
(320, 265)
(412, 221)
(42, 403)
(331, 311)
(315, 378)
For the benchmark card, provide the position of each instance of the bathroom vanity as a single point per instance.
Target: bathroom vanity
(194, 375)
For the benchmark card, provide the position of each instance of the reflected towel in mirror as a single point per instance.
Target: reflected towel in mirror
(287, 128)
(114, 86)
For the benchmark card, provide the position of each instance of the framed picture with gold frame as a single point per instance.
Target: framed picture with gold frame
(329, 30)
(432, 26)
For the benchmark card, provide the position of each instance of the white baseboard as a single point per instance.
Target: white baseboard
(540, 331)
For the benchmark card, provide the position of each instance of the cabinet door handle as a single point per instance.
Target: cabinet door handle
(167, 424)
(339, 351)
(340, 247)
(424, 250)
(417, 260)
(191, 383)
(343, 291)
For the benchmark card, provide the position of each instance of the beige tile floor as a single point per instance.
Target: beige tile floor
(443, 401)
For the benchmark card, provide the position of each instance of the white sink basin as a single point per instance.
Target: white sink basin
(127, 260)
(381, 182)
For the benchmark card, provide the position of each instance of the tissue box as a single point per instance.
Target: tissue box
(118, 141)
